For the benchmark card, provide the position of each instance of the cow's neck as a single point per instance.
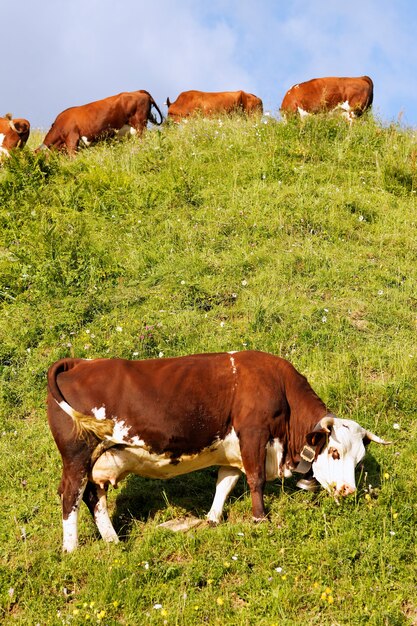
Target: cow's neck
(306, 409)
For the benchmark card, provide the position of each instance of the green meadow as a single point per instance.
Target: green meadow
(217, 235)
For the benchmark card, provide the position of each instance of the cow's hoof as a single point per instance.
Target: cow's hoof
(308, 484)
(212, 523)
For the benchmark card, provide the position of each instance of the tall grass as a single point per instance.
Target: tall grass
(221, 234)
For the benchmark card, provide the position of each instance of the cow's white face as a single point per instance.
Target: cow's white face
(335, 465)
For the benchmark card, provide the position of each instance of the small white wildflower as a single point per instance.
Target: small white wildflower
(244, 282)
(222, 324)
(135, 353)
(396, 426)
(87, 331)
(235, 557)
(234, 295)
(119, 329)
(361, 218)
(161, 354)
(278, 569)
(183, 282)
(241, 534)
(157, 606)
(11, 592)
(381, 292)
(146, 565)
(392, 533)
(324, 319)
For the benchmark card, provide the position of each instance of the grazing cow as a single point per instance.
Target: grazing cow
(13, 134)
(209, 103)
(248, 412)
(352, 95)
(126, 113)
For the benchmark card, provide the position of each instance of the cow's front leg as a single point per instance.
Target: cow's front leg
(71, 489)
(227, 478)
(95, 498)
(253, 451)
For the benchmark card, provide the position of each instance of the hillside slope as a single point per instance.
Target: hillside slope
(220, 234)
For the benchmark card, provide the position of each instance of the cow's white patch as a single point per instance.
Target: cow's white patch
(302, 113)
(296, 86)
(227, 478)
(102, 519)
(70, 524)
(70, 531)
(339, 474)
(232, 352)
(120, 432)
(85, 141)
(136, 441)
(127, 130)
(68, 409)
(273, 460)
(233, 364)
(3, 150)
(99, 413)
(345, 106)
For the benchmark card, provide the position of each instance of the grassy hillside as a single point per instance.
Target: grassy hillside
(222, 234)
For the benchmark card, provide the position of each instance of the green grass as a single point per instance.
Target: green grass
(216, 235)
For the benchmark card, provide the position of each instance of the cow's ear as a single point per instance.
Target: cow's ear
(317, 438)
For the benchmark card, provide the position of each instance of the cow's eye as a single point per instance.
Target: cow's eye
(335, 453)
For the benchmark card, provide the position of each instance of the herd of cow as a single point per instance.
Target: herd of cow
(246, 412)
(129, 112)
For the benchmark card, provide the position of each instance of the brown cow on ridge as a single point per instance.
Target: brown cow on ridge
(248, 412)
(126, 113)
(209, 103)
(352, 95)
(13, 134)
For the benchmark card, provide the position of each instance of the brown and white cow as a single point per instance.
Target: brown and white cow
(14, 133)
(125, 113)
(248, 412)
(351, 95)
(209, 103)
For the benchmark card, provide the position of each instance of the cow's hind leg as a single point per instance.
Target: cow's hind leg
(71, 490)
(227, 478)
(95, 498)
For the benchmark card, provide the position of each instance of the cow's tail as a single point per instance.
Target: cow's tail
(84, 424)
(371, 90)
(152, 117)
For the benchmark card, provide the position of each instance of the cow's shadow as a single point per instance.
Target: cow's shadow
(142, 499)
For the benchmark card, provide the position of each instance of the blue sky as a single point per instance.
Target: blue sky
(60, 53)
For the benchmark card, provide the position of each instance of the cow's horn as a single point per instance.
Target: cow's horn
(377, 439)
(327, 422)
(11, 124)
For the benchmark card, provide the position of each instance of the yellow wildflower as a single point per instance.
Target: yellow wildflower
(220, 601)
